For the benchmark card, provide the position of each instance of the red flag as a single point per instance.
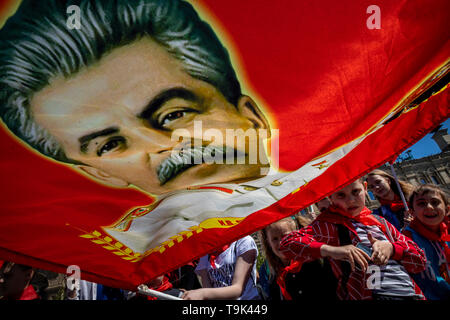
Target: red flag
(346, 84)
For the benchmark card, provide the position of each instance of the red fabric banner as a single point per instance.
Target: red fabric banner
(341, 89)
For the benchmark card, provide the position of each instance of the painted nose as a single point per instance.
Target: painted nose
(153, 141)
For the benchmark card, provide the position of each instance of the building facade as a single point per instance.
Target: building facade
(428, 170)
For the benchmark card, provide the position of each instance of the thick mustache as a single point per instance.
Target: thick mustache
(187, 158)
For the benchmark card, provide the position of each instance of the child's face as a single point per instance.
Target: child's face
(430, 209)
(351, 198)
(380, 186)
(276, 232)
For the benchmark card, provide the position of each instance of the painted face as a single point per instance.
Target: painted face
(351, 198)
(380, 186)
(125, 116)
(430, 209)
(276, 232)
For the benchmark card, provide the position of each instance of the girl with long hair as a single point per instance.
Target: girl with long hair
(292, 280)
(385, 189)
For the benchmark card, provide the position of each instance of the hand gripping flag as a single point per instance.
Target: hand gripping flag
(116, 116)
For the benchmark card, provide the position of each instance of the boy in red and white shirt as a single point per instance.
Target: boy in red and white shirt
(369, 257)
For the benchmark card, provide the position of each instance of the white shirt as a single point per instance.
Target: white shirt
(222, 275)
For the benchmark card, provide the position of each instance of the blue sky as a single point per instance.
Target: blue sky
(426, 146)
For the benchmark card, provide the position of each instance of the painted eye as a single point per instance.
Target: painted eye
(167, 119)
(115, 143)
(172, 116)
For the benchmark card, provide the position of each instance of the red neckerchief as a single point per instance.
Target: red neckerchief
(294, 267)
(29, 294)
(165, 285)
(442, 237)
(395, 205)
(337, 215)
(215, 254)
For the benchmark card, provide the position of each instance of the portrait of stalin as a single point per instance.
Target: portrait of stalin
(119, 99)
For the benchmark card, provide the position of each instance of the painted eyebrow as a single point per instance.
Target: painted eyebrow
(86, 139)
(165, 96)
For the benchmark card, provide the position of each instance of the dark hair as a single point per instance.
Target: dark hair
(36, 45)
(424, 189)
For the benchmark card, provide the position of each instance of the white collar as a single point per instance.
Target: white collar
(272, 176)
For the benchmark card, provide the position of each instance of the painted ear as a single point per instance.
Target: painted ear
(249, 109)
(102, 176)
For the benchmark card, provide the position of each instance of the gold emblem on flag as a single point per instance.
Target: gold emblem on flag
(299, 188)
(113, 246)
(211, 223)
(122, 251)
(276, 183)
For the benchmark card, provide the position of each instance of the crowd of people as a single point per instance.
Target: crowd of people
(399, 251)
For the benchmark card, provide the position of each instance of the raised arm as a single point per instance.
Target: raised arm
(305, 244)
(242, 271)
(320, 240)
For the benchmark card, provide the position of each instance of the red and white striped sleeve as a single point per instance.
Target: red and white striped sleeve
(305, 244)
